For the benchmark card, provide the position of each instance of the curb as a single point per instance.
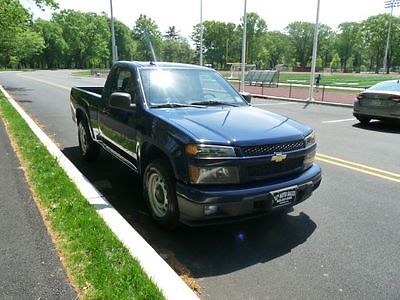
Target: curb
(156, 268)
(302, 100)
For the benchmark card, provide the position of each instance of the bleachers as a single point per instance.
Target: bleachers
(261, 77)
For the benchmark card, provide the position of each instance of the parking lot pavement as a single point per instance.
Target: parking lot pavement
(30, 267)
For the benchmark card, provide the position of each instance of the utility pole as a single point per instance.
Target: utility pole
(389, 4)
(113, 46)
(314, 55)
(244, 46)
(201, 32)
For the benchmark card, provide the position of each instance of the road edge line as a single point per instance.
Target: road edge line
(171, 285)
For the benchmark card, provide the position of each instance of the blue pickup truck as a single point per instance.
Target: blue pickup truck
(205, 155)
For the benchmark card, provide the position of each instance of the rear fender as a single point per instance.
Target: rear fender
(82, 115)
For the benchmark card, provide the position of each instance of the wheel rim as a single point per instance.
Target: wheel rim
(158, 195)
(83, 139)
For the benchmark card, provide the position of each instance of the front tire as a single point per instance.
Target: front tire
(159, 192)
(89, 148)
(363, 120)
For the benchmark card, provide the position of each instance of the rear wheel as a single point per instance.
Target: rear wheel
(159, 192)
(89, 148)
(363, 120)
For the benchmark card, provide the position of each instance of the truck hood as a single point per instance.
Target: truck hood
(238, 126)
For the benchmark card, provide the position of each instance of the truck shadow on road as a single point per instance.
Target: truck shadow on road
(202, 251)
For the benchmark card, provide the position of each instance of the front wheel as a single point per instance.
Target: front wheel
(89, 148)
(363, 120)
(159, 192)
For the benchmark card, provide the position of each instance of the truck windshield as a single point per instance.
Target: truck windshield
(188, 87)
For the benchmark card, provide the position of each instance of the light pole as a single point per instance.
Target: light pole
(201, 32)
(113, 46)
(314, 55)
(389, 4)
(244, 47)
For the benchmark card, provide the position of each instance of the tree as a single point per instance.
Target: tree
(148, 38)
(53, 55)
(301, 35)
(335, 63)
(171, 33)
(280, 50)
(346, 43)
(326, 36)
(255, 33)
(177, 50)
(96, 37)
(87, 36)
(220, 42)
(373, 33)
(126, 46)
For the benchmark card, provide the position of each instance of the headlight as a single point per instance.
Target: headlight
(310, 139)
(309, 159)
(214, 175)
(208, 151)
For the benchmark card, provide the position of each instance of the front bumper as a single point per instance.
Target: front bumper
(240, 202)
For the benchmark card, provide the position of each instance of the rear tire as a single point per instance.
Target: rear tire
(89, 148)
(363, 120)
(159, 192)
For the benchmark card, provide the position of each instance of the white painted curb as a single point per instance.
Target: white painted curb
(158, 270)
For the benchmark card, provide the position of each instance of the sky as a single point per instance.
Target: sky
(184, 14)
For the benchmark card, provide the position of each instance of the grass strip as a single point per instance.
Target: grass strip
(99, 265)
(84, 73)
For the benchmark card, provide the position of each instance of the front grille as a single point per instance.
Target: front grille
(273, 169)
(271, 149)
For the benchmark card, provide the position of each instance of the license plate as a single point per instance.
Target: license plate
(284, 196)
(375, 102)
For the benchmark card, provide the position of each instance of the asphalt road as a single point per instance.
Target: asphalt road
(342, 243)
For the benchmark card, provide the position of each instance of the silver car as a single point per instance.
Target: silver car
(381, 102)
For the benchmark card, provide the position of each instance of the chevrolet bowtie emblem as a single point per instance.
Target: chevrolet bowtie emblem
(278, 157)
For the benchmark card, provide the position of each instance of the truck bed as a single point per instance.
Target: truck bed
(92, 89)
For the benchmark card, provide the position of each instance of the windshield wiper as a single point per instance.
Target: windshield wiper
(175, 105)
(212, 102)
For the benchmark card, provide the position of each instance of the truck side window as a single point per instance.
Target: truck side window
(124, 83)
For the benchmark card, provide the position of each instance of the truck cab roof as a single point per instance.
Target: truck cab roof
(151, 64)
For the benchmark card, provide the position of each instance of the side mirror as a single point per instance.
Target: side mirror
(121, 100)
(246, 96)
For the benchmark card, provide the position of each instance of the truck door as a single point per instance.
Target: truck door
(118, 126)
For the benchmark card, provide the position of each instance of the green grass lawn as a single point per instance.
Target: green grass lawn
(99, 265)
(338, 79)
(362, 80)
(83, 73)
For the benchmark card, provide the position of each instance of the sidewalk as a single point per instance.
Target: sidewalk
(30, 267)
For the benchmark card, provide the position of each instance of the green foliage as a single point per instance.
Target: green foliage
(345, 44)
(335, 63)
(74, 39)
(124, 41)
(280, 50)
(148, 38)
(255, 33)
(87, 36)
(301, 35)
(177, 50)
(171, 33)
(56, 47)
